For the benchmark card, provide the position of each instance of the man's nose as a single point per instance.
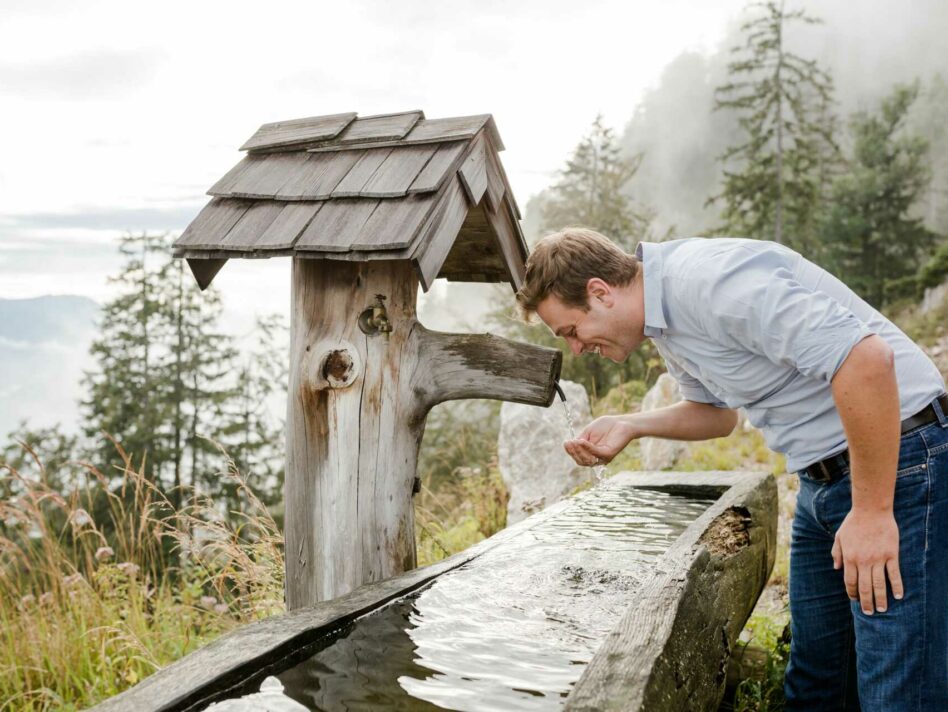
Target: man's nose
(575, 345)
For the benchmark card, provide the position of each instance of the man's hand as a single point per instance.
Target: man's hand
(867, 547)
(867, 544)
(605, 437)
(600, 441)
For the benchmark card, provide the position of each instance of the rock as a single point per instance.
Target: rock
(658, 454)
(933, 297)
(534, 466)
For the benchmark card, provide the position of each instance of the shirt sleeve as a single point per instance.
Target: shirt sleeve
(750, 299)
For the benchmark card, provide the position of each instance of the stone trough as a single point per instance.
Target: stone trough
(658, 639)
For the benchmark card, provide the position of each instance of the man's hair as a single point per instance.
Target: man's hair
(562, 263)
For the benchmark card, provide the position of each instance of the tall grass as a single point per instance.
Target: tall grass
(101, 587)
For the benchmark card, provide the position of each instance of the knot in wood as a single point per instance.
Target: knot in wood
(339, 368)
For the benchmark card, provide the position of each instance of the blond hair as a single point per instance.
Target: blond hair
(562, 264)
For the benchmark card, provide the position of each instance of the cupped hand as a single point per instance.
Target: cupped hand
(600, 441)
(867, 547)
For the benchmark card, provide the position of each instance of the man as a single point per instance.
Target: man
(855, 405)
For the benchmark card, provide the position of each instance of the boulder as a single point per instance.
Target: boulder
(659, 454)
(534, 466)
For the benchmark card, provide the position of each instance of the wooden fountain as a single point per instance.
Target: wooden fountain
(368, 208)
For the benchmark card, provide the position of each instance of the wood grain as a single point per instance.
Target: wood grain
(336, 225)
(383, 127)
(397, 172)
(287, 133)
(473, 171)
(360, 173)
(210, 226)
(245, 233)
(288, 226)
(440, 234)
(394, 223)
(511, 244)
(318, 176)
(265, 175)
(446, 159)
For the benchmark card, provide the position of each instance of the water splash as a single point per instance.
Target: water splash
(599, 470)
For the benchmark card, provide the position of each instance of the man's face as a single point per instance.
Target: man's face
(598, 330)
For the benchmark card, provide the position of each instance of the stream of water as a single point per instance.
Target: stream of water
(571, 423)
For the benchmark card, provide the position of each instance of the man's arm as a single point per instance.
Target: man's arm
(866, 394)
(606, 437)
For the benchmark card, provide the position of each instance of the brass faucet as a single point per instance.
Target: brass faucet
(374, 320)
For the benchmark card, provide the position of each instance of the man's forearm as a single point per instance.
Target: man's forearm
(866, 394)
(686, 420)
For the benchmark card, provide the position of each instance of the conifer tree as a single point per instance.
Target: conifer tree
(771, 185)
(253, 438)
(164, 370)
(589, 191)
(124, 396)
(196, 370)
(873, 236)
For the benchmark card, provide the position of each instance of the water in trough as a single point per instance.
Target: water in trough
(511, 629)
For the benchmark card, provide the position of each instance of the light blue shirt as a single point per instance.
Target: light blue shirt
(752, 324)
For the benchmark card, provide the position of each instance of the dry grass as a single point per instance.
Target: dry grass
(89, 605)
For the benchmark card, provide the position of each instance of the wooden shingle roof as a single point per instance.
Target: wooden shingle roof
(392, 187)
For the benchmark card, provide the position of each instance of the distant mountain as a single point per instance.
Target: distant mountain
(44, 349)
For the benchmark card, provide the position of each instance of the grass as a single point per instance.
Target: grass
(87, 610)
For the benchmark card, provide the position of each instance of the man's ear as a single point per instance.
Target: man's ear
(599, 290)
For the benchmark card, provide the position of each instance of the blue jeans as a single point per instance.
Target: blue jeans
(842, 659)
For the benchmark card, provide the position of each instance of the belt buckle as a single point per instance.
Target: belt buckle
(824, 474)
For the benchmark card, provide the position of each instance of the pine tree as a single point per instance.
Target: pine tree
(873, 237)
(771, 186)
(196, 370)
(164, 371)
(589, 191)
(253, 438)
(124, 399)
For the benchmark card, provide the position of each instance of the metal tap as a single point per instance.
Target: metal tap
(374, 320)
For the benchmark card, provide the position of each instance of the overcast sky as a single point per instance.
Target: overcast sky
(117, 116)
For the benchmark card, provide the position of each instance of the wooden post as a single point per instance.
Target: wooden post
(356, 410)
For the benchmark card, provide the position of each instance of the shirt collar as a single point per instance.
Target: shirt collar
(650, 255)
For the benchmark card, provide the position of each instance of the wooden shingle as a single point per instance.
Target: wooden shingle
(253, 223)
(447, 157)
(384, 127)
(318, 177)
(282, 134)
(352, 184)
(336, 225)
(288, 225)
(208, 229)
(398, 171)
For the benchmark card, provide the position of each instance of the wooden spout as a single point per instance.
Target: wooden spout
(485, 366)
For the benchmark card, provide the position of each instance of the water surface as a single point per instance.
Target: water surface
(510, 630)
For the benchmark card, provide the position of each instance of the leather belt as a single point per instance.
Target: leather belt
(834, 466)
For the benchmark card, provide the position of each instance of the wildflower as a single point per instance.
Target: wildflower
(104, 553)
(128, 568)
(80, 518)
(27, 600)
(46, 599)
(208, 602)
(72, 580)
(222, 608)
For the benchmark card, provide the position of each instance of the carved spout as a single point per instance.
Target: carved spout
(455, 366)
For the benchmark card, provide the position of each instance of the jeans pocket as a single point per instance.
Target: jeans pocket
(917, 469)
